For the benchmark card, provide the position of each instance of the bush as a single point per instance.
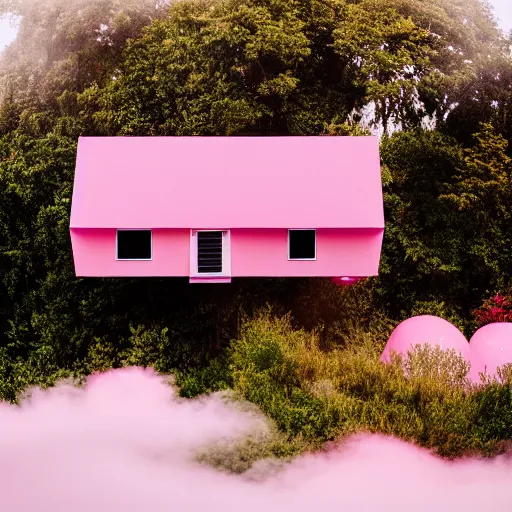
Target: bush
(215, 376)
(496, 309)
(261, 453)
(318, 395)
(147, 347)
(493, 422)
(18, 375)
(445, 367)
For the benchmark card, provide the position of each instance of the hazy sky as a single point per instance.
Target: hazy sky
(502, 9)
(7, 33)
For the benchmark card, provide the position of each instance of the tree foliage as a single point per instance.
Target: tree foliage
(448, 210)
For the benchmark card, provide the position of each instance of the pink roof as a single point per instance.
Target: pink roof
(227, 182)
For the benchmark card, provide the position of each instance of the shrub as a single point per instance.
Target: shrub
(493, 421)
(261, 453)
(147, 347)
(446, 367)
(215, 376)
(317, 395)
(496, 309)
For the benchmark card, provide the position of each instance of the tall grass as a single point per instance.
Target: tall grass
(316, 395)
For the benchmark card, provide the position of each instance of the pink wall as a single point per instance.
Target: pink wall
(258, 253)
(94, 252)
(340, 252)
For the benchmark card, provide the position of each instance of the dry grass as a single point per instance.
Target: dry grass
(320, 395)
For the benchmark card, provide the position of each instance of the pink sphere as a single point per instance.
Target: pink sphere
(345, 281)
(491, 347)
(426, 329)
(431, 330)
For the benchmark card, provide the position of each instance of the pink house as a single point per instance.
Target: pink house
(214, 208)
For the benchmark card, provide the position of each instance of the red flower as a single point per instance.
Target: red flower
(495, 309)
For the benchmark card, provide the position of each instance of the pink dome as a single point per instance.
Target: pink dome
(432, 330)
(419, 330)
(491, 346)
(345, 281)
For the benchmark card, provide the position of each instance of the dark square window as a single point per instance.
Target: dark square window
(134, 244)
(302, 244)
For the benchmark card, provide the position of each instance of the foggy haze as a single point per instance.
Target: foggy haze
(126, 443)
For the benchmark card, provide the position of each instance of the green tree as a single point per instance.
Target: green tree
(447, 240)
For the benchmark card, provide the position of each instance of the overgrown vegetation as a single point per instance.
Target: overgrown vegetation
(433, 77)
(315, 396)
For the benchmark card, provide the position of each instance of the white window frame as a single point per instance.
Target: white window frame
(226, 254)
(302, 259)
(135, 259)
